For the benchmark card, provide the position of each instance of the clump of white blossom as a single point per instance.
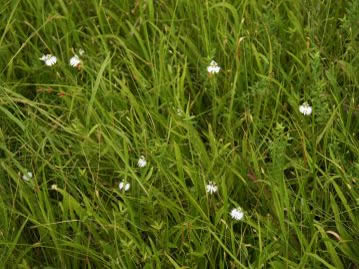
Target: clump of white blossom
(27, 176)
(49, 59)
(141, 162)
(237, 213)
(305, 109)
(211, 187)
(75, 61)
(124, 186)
(213, 68)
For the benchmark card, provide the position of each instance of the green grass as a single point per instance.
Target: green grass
(81, 131)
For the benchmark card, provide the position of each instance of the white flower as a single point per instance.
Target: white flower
(305, 109)
(49, 59)
(211, 187)
(75, 61)
(237, 213)
(27, 176)
(141, 161)
(213, 68)
(81, 52)
(124, 186)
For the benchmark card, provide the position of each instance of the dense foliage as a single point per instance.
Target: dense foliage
(70, 134)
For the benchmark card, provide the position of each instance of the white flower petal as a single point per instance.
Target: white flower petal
(237, 213)
(27, 176)
(213, 68)
(211, 187)
(124, 186)
(49, 59)
(75, 61)
(127, 186)
(141, 162)
(305, 109)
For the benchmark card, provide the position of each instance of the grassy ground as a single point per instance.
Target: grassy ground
(143, 89)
